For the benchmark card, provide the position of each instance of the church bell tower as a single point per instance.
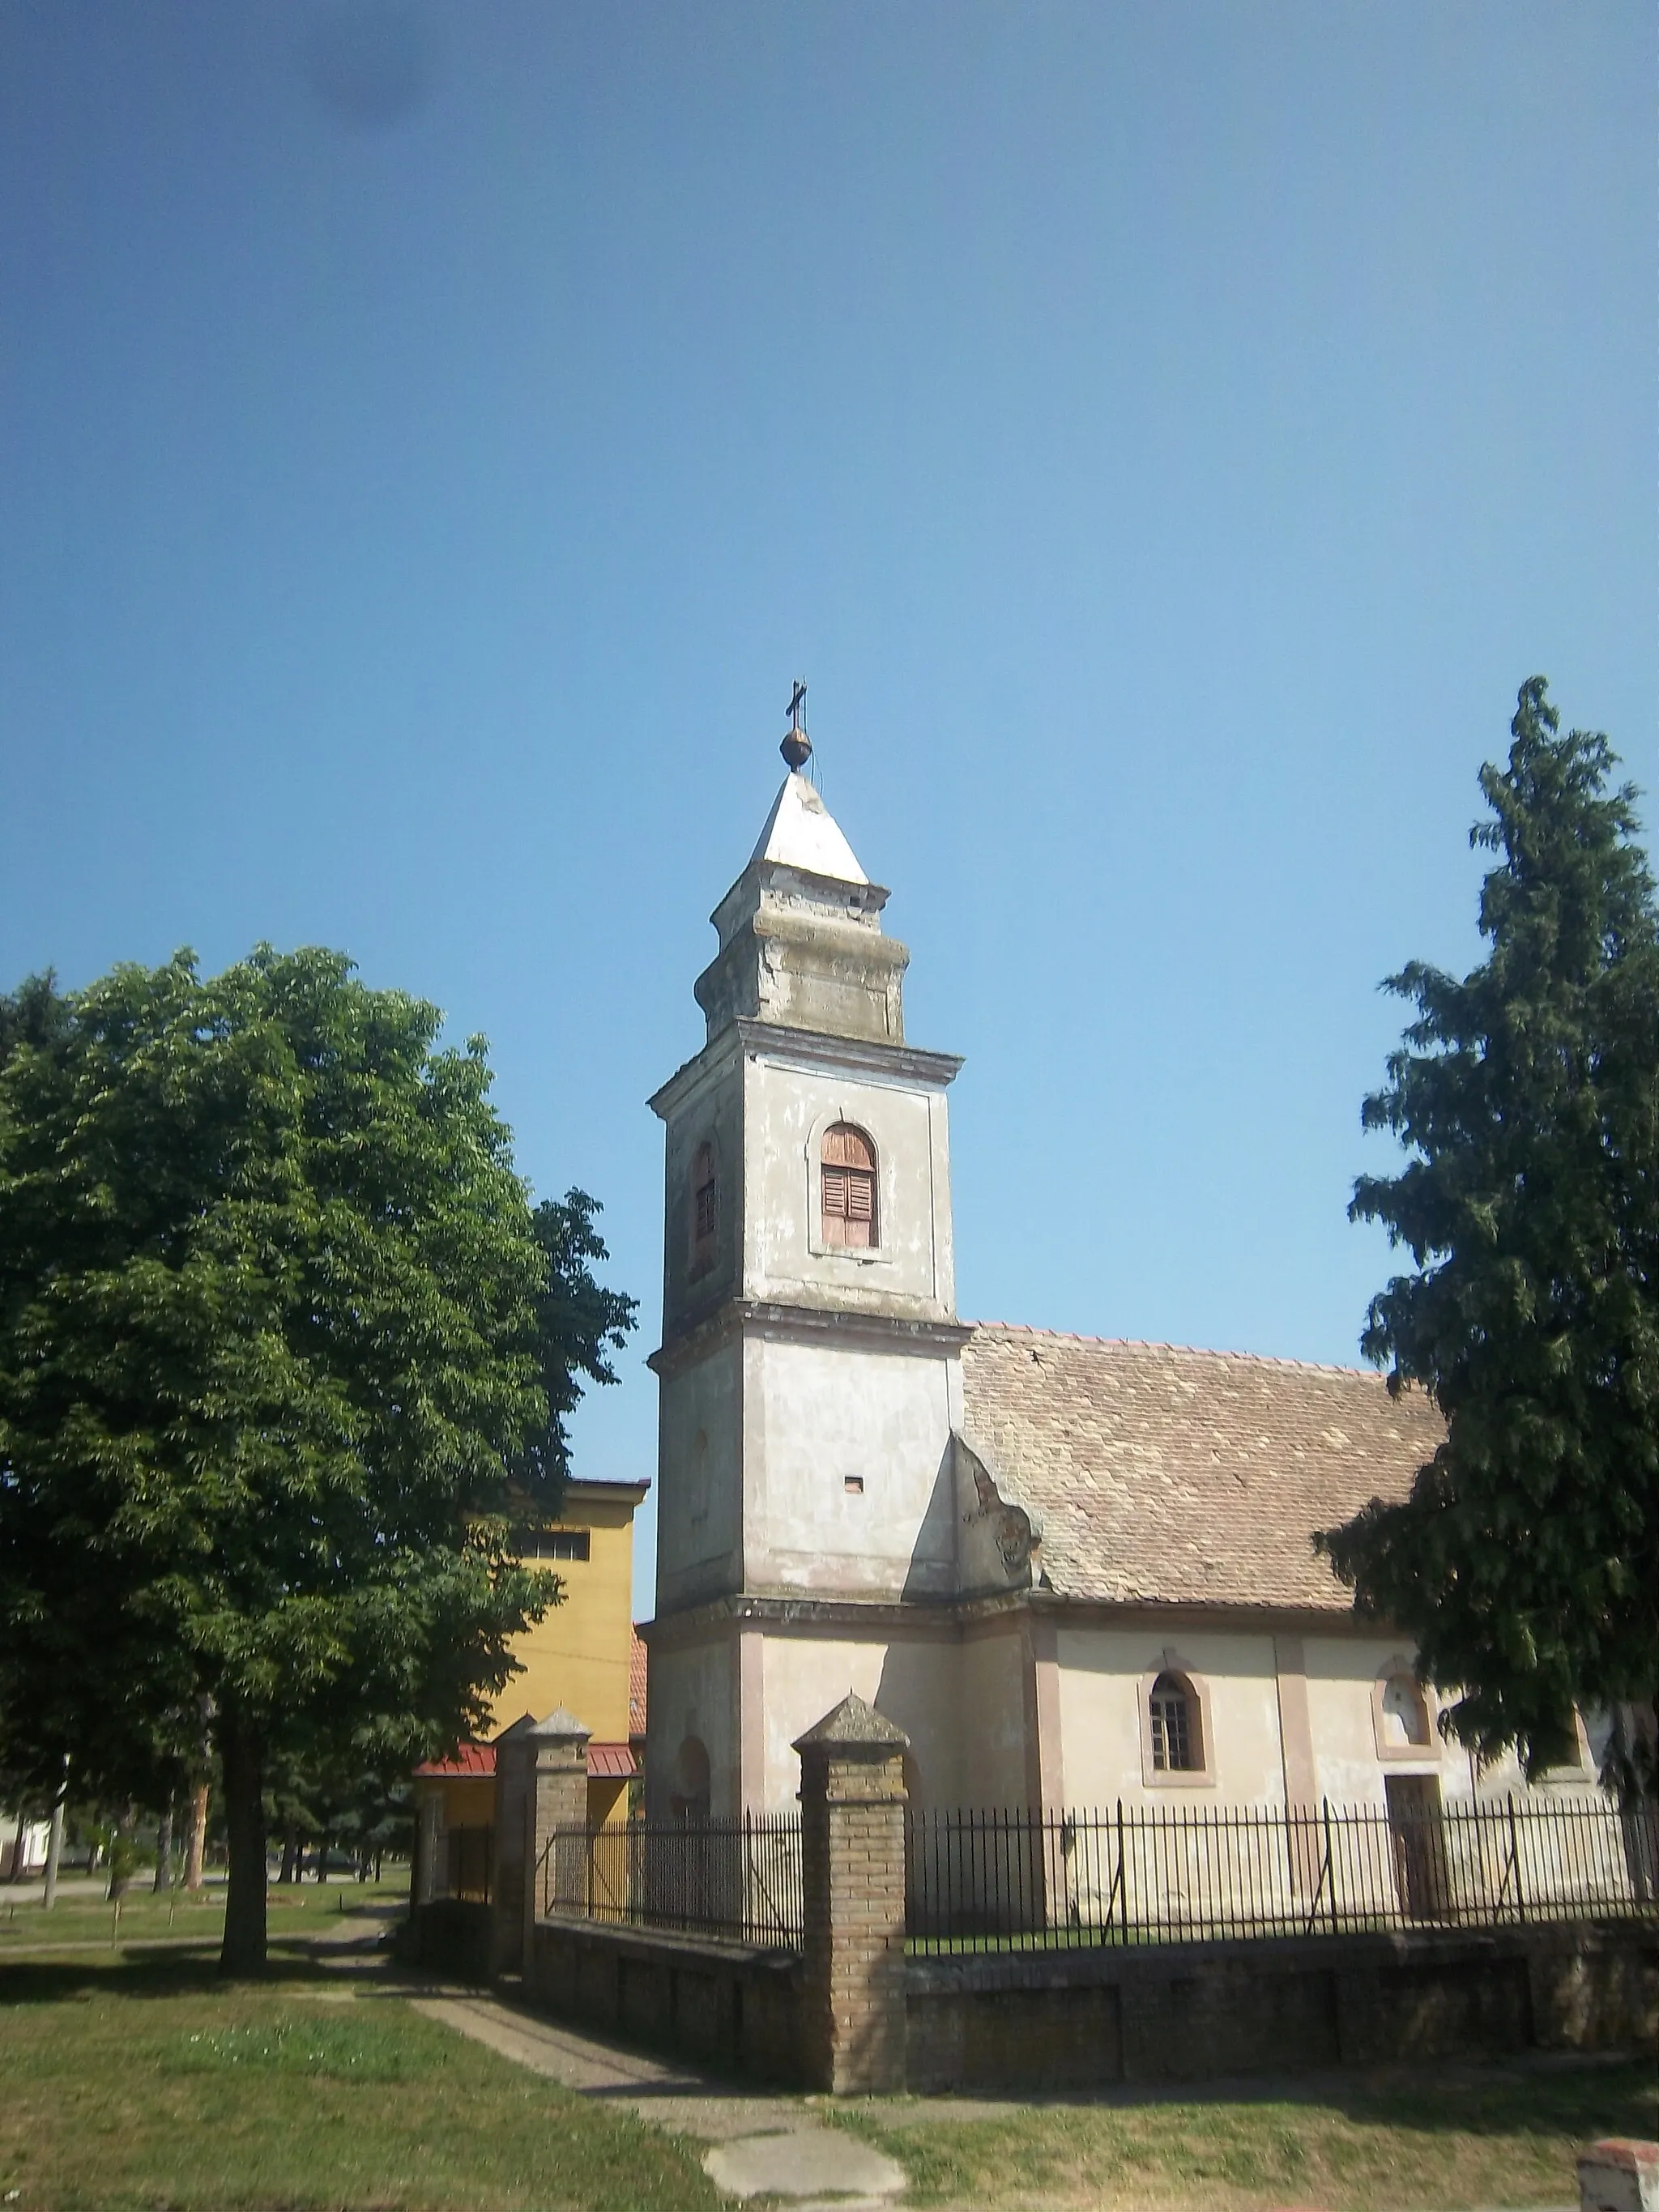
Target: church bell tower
(810, 1369)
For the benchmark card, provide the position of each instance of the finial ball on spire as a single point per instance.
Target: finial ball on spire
(797, 746)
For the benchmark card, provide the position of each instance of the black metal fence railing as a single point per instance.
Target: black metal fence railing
(985, 1881)
(739, 1880)
(467, 1865)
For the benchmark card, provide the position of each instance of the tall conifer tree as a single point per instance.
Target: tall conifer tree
(1525, 1559)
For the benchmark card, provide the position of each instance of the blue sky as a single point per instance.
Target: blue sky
(431, 439)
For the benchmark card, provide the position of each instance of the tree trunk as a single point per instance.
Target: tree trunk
(55, 1838)
(195, 1847)
(120, 1853)
(290, 1852)
(164, 1851)
(17, 1874)
(242, 1755)
(322, 1858)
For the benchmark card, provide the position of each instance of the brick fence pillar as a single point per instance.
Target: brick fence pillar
(515, 1766)
(557, 1799)
(851, 1811)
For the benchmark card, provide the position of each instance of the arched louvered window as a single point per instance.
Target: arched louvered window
(848, 1173)
(1404, 1712)
(1177, 1735)
(705, 1209)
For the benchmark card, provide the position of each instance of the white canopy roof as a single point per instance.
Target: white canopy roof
(800, 832)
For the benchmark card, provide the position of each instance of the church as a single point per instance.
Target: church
(1074, 1571)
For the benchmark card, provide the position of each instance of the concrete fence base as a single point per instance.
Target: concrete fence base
(1080, 2019)
(449, 1937)
(726, 2006)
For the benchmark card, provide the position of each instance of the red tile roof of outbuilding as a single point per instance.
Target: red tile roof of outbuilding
(610, 1762)
(607, 1762)
(470, 1759)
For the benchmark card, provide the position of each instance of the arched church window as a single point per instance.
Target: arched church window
(848, 1172)
(1177, 1732)
(690, 1798)
(1405, 1712)
(705, 1209)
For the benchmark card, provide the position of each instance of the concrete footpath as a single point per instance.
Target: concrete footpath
(758, 2145)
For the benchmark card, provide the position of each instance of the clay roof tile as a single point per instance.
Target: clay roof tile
(1166, 1475)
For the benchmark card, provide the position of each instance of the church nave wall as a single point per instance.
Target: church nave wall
(1105, 1676)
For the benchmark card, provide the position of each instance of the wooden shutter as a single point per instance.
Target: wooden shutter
(848, 1173)
(845, 1146)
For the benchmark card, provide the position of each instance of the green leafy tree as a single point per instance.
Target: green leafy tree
(1526, 1559)
(281, 1339)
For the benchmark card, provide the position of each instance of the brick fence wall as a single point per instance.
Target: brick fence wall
(1201, 2011)
(737, 2009)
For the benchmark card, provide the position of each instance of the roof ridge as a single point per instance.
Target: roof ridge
(1154, 1344)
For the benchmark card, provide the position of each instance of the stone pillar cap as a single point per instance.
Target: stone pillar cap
(560, 1722)
(852, 1726)
(1631, 2152)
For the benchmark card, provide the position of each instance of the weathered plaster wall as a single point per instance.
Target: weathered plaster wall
(806, 1675)
(911, 1677)
(700, 1477)
(993, 1716)
(821, 1423)
(694, 1693)
(787, 1109)
(1340, 1672)
(1100, 1673)
(707, 1110)
(1102, 1682)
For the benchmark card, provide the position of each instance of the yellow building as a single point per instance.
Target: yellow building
(577, 1655)
(581, 1655)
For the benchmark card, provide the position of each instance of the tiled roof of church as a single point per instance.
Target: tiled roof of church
(1165, 1475)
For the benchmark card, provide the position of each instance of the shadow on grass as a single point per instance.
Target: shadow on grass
(1540, 2094)
(1547, 2094)
(177, 1971)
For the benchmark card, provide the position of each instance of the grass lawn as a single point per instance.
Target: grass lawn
(1492, 2136)
(130, 2085)
(134, 2081)
(78, 1918)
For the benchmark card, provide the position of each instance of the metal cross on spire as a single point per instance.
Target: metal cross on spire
(797, 746)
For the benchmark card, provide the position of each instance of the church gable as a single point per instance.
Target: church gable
(1168, 1476)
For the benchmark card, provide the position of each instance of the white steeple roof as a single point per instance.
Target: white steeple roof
(800, 832)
